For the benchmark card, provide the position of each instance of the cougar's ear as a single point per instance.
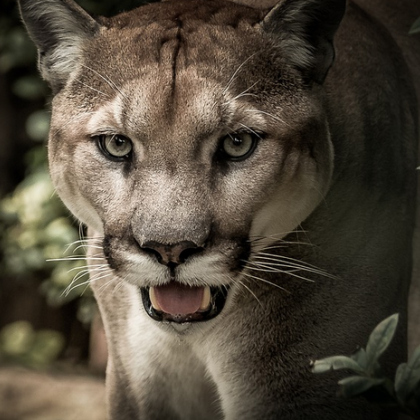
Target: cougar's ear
(58, 28)
(304, 30)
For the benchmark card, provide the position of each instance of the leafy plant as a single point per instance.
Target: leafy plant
(21, 344)
(36, 233)
(415, 28)
(368, 380)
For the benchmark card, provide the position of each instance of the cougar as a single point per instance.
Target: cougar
(247, 174)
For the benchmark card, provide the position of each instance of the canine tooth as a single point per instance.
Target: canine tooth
(205, 303)
(153, 299)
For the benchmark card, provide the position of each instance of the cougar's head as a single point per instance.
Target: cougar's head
(188, 134)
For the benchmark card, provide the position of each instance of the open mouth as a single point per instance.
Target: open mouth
(175, 302)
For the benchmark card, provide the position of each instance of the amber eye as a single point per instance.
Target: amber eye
(115, 146)
(239, 146)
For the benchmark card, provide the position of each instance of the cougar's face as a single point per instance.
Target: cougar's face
(189, 146)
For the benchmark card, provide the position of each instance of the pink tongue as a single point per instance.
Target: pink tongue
(177, 299)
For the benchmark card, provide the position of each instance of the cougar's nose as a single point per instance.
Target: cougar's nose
(171, 255)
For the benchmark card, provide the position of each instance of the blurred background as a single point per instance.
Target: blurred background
(50, 333)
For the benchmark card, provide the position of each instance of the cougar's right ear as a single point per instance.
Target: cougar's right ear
(304, 31)
(58, 28)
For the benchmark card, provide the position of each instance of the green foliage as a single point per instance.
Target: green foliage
(34, 226)
(20, 344)
(16, 50)
(407, 383)
(415, 28)
(37, 125)
(37, 232)
(403, 393)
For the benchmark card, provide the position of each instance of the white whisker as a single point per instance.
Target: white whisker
(105, 79)
(86, 283)
(75, 259)
(250, 130)
(87, 246)
(278, 258)
(240, 95)
(94, 267)
(104, 286)
(232, 78)
(288, 272)
(274, 117)
(264, 281)
(92, 88)
(250, 291)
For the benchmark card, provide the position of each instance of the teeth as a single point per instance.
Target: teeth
(205, 303)
(153, 299)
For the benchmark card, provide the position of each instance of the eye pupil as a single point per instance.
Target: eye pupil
(115, 146)
(238, 146)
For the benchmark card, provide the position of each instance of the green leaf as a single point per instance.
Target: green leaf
(37, 125)
(356, 385)
(360, 358)
(380, 339)
(407, 378)
(46, 348)
(19, 343)
(16, 338)
(415, 28)
(412, 405)
(336, 363)
(29, 87)
(414, 362)
(87, 309)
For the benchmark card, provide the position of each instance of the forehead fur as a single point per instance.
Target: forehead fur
(180, 12)
(163, 41)
(168, 37)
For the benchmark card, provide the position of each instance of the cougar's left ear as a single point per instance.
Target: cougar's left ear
(304, 30)
(58, 28)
